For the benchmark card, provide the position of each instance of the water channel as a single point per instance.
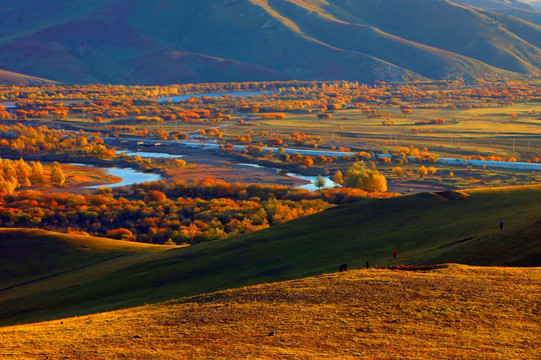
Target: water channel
(130, 176)
(310, 186)
(216, 95)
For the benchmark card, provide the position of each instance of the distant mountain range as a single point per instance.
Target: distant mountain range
(163, 41)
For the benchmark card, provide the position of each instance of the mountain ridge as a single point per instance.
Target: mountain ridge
(160, 42)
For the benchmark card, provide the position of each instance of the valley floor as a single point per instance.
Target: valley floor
(458, 312)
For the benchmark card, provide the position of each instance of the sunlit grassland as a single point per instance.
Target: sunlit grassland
(489, 130)
(458, 312)
(82, 175)
(460, 177)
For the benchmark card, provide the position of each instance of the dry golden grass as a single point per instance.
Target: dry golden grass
(459, 312)
(77, 178)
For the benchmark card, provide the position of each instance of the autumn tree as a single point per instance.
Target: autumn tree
(36, 173)
(57, 175)
(337, 177)
(398, 171)
(320, 182)
(358, 176)
(422, 171)
(307, 161)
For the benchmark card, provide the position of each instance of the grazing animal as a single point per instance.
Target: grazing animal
(343, 267)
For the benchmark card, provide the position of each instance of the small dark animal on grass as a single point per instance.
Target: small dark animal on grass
(343, 267)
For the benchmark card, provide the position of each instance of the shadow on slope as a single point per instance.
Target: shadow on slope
(425, 229)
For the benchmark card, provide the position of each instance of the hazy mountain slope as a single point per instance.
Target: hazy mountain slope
(424, 228)
(521, 28)
(143, 41)
(247, 32)
(496, 4)
(536, 5)
(425, 60)
(450, 27)
(521, 10)
(11, 78)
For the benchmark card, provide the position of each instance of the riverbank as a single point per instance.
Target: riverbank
(79, 178)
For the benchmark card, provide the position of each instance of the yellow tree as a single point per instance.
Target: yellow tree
(57, 175)
(422, 171)
(36, 175)
(358, 176)
(337, 177)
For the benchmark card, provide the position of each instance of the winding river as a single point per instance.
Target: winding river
(312, 179)
(129, 176)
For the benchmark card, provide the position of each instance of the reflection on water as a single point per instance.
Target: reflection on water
(129, 176)
(153, 155)
(310, 187)
(216, 94)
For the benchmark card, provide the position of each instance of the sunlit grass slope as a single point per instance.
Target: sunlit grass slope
(459, 312)
(424, 229)
(11, 78)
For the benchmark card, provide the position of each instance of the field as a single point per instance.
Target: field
(458, 312)
(424, 229)
(251, 270)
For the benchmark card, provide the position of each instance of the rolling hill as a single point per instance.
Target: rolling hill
(10, 78)
(159, 42)
(458, 312)
(424, 228)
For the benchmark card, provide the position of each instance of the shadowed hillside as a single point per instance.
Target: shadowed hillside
(424, 229)
(451, 313)
(143, 41)
(41, 254)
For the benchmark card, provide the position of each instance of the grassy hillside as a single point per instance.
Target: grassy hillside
(162, 41)
(11, 78)
(424, 229)
(459, 312)
(33, 255)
